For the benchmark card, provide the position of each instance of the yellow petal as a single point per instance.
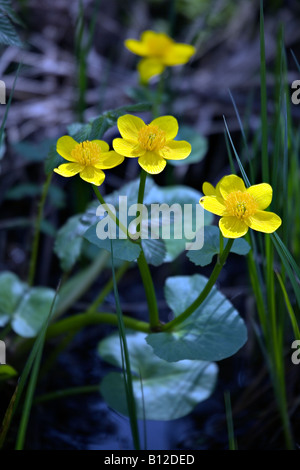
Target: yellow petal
(218, 192)
(109, 160)
(69, 169)
(176, 150)
(137, 47)
(262, 221)
(262, 194)
(231, 227)
(152, 163)
(148, 68)
(92, 175)
(104, 147)
(208, 189)
(168, 124)
(158, 44)
(129, 149)
(64, 147)
(179, 54)
(231, 183)
(149, 35)
(213, 204)
(129, 127)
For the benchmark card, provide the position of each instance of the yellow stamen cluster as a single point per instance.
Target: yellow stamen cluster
(159, 46)
(151, 138)
(86, 153)
(240, 204)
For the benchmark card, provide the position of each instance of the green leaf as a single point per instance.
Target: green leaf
(33, 152)
(6, 9)
(23, 190)
(8, 34)
(80, 132)
(53, 160)
(123, 249)
(11, 292)
(198, 143)
(211, 247)
(69, 241)
(182, 195)
(32, 311)
(72, 232)
(213, 332)
(154, 251)
(7, 372)
(97, 126)
(168, 391)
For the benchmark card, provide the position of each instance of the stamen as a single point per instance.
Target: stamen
(240, 204)
(87, 153)
(151, 138)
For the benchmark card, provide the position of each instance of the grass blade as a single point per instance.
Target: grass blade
(126, 362)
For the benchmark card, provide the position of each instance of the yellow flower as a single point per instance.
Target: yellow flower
(159, 51)
(87, 158)
(239, 207)
(153, 144)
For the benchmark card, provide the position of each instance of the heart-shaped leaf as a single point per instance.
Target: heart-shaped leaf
(11, 292)
(213, 332)
(163, 391)
(211, 247)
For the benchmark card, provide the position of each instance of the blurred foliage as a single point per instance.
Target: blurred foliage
(8, 33)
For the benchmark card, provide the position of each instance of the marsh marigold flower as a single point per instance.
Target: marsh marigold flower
(159, 51)
(87, 158)
(240, 208)
(152, 144)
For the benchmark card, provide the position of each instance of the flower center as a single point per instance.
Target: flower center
(151, 138)
(240, 204)
(158, 46)
(86, 153)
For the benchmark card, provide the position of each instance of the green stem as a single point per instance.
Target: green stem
(108, 287)
(149, 291)
(141, 193)
(144, 268)
(158, 97)
(200, 299)
(77, 285)
(82, 320)
(221, 244)
(37, 230)
(67, 392)
(110, 213)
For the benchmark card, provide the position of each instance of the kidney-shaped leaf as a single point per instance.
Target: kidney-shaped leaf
(211, 247)
(32, 311)
(168, 391)
(213, 332)
(11, 291)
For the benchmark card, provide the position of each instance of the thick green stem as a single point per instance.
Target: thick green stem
(200, 299)
(149, 291)
(144, 268)
(143, 177)
(110, 213)
(37, 230)
(82, 320)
